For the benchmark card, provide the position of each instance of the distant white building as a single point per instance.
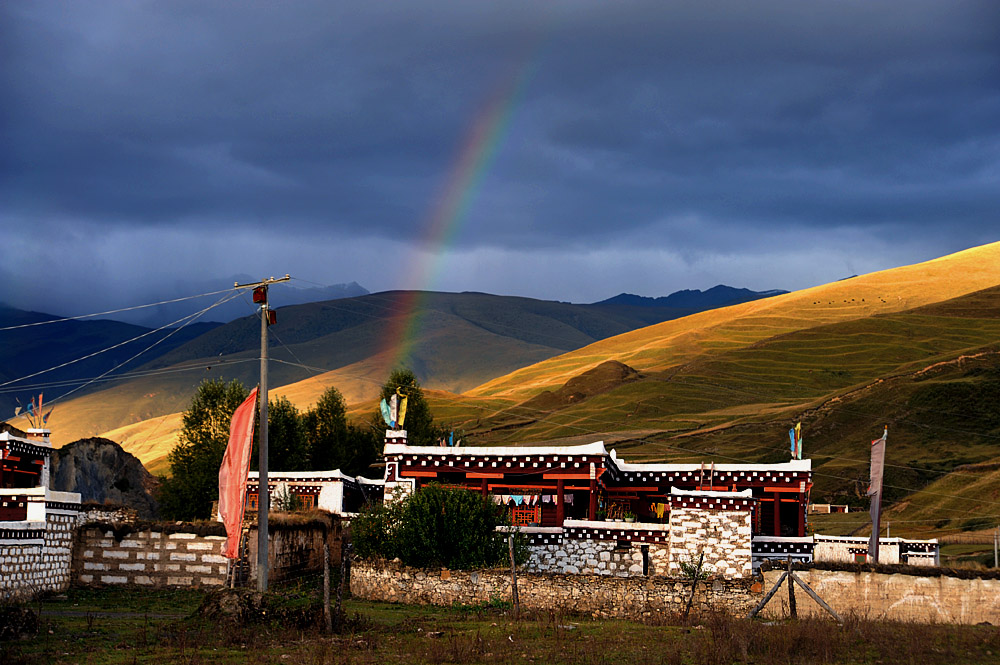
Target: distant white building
(332, 491)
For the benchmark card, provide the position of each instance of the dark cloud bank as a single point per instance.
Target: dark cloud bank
(652, 146)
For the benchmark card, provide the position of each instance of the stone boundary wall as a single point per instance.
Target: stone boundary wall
(35, 556)
(842, 549)
(191, 555)
(148, 558)
(722, 536)
(296, 551)
(598, 557)
(597, 595)
(898, 597)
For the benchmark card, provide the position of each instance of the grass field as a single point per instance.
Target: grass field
(131, 626)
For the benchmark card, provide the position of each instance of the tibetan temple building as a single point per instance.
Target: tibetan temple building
(24, 465)
(546, 485)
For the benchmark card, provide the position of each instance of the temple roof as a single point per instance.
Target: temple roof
(590, 450)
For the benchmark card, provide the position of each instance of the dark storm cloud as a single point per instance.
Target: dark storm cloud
(709, 127)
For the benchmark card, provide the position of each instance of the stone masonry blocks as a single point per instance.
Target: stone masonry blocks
(135, 559)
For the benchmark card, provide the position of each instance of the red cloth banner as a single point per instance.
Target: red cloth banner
(233, 473)
(875, 492)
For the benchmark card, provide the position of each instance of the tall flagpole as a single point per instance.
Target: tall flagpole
(263, 496)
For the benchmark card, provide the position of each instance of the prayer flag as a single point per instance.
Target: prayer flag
(875, 492)
(401, 411)
(233, 473)
(795, 434)
(386, 415)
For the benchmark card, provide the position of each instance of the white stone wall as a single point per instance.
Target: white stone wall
(38, 558)
(838, 549)
(397, 491)
(723, 536)
(149, 558)
(596, 557)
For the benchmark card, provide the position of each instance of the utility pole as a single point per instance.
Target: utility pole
(263, 497)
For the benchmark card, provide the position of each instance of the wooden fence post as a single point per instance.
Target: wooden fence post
(344, 555)
(327, 618)
(792, 611)
(514, 599)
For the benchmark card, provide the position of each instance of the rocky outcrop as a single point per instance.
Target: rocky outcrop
(102, 472)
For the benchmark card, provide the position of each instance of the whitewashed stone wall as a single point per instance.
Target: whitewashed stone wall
(35, 556)
(148, 558)
(723, 536)
(843, 549)
(878, 596)
(598, 595)
(596, 557)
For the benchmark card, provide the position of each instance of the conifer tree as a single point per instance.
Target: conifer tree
(194, 462)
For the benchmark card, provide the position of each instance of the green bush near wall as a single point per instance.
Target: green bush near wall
(437, 526)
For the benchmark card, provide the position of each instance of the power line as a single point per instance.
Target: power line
(135, 374)
(190, 318)
(112, 347)
(113, 311)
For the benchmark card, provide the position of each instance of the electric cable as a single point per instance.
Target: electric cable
(113, 311)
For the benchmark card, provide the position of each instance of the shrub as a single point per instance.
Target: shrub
(373, 531)
(437, 526)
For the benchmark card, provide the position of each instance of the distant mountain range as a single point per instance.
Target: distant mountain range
(286, 293)
(694, 299)
(462, 340)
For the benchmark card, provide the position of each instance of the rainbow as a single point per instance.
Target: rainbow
(449, 210)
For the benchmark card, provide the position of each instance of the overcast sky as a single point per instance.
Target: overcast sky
(148, 148)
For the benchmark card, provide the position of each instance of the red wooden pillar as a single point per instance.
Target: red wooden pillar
(592, 509)
(802, 515)
(560, 505)
(777, 513)
(485, 489)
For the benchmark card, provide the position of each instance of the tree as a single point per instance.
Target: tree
(419, 423)
(335, 444)
(194, 462)
(287, 441)
(437, 526)
(326, 426)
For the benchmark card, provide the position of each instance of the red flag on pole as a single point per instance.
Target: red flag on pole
(233, 473)
(875, 492)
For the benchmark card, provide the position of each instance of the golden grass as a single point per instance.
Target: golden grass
(661, 346)
(149, 440)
